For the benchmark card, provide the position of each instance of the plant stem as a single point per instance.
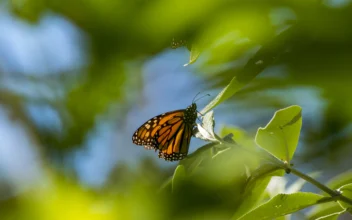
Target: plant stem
(335, 195)
(332, 193)
(326, 189)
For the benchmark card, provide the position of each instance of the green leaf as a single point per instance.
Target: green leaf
(283, 204)
(324, 209)
(195, 52)
(252, 195)
(281, 218)
(179, 176)
(332, 216)
(264, 57)
(239, 136)
(226, 93)
(263, 171)
(346, 191)
(280, 136)
(193, 160)
(255, 187)
(340, 180)
(166, 186)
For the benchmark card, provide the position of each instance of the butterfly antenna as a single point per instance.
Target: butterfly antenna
(194, 100)
(195, 97)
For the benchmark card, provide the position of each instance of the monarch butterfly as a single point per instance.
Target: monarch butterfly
(170, 133)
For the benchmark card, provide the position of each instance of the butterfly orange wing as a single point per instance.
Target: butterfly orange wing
(148, 133)
(176, 148)
(170, 133)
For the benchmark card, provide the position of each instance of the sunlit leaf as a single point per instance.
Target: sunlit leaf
(226, 93)
(283, 204)
(280, 136)
(263, 171)
(195, 52)
(202, 154)
(333, 216)
(340, 180)
(239, 136)
(324, 210)
(346, 191)
(252, 195)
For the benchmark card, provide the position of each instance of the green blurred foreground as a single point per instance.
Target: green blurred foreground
(221, 180)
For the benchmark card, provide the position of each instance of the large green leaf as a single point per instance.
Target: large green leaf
(239, 136)
(340, 180)
(280, 136)
(283, 204)
(324, 209)
(255, 187)
(179, 176)
(332, 216)
(252, 195)
(346, 191)
(226, 93)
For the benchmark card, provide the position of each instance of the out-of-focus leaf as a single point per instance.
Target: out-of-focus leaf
(252, 195)
(239, 134)
(262, 59)
(201, 155)
(324, 210)
(226, 93)
(265, 170)
(90, 99)
(29, 10)
(280, 136)
(166, 186)
(179, 176)
(283, 204)
(346, 190)
(332, 216)
(240, 137)
(340, 180)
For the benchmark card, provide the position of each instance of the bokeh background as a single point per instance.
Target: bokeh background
(78, 77)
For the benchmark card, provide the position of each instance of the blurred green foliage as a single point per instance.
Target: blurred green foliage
(308, 40)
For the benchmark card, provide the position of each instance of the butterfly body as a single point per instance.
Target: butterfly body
(170, 133)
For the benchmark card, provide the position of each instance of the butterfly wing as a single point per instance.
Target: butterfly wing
(148, 134)
(170, 133)
(176, 148)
